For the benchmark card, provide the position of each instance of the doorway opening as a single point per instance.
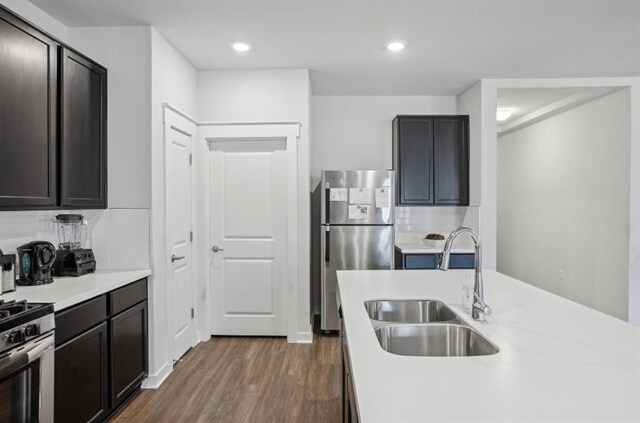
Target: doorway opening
(563, 194)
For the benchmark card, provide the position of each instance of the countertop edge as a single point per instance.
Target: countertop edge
(119, 283)
(69, 291)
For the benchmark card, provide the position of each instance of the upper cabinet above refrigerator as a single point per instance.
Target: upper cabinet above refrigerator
(53, 121)
(431, 160)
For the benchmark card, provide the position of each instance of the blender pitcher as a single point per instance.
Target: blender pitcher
(71, 231)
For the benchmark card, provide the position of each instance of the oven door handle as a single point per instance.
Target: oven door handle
(24, 355)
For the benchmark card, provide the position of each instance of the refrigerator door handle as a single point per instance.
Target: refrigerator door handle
(327, 203)
(327, 252)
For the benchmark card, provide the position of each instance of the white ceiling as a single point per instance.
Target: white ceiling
(451, 43)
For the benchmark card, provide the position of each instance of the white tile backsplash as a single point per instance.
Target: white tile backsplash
(119, 237)
(414, 222)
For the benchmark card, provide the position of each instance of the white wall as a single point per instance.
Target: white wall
(469, 103)
(38, 17)
(126, 53)
(269, 96)
(173, 81)
(479, 102)
(563, 204)
(354, 132)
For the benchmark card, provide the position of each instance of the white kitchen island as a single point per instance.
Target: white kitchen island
(558, 360)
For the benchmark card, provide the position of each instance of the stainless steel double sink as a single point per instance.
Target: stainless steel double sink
(425, 328)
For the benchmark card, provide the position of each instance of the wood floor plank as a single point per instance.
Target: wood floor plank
(246, 379)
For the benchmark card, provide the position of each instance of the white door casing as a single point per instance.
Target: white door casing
(179, 136)
(248, 216)
(270, 149)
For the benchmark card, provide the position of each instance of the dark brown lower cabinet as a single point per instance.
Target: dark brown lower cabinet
(128, 352)
(81, 377)
(101, 356)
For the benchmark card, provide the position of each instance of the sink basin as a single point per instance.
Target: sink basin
(409, 311)
(436, 340)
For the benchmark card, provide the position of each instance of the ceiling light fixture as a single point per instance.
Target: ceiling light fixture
(241, 47)
(396, 45)
(503, 114)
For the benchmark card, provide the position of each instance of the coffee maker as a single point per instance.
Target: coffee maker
(36, 260)
(71, 258)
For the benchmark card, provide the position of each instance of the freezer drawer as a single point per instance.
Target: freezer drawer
(337, 212)
(351, 248)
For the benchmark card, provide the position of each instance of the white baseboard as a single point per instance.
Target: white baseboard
(303, 338)
(154, 381)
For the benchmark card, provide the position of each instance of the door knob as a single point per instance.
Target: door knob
(175, 258)
(216, 249)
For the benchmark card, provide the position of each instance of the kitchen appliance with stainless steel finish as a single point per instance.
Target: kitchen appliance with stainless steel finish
(36, 260)
(7, 272)
(71, 258)
(357, 229)
(26, 362)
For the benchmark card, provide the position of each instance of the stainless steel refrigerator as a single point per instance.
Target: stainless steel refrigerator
(357, 218)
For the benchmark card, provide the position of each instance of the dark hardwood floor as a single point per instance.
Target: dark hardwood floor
(246, 380)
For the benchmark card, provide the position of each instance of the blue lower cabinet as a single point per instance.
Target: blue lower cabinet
(430, 261)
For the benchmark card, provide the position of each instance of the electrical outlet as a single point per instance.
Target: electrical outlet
(561, 274)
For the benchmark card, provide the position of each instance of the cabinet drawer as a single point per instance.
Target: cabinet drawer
(73, 321)
(462, 261)
(127, 296)
(421, 261)
(430, 261)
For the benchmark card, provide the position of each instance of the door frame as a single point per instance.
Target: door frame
(175, 120)
(290, 134)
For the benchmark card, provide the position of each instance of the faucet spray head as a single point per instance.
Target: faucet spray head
(444, 259)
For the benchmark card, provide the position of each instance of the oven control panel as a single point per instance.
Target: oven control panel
(20, 335)
(25, 332)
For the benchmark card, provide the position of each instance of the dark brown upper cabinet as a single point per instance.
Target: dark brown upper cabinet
(431, 160)
(83, 132)
(53, 122)
(28, 115)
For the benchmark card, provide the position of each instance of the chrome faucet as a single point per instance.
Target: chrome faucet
(479, 309)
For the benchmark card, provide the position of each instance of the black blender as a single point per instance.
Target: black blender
(71, 258)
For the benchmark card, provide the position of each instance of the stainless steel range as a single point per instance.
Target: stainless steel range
(26, 362)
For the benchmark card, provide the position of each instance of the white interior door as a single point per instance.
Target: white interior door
(178, 143)
(248, 218)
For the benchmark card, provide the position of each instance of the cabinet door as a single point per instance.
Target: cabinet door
(28, 104)
(128, 352)
(451, 160)
(81, 384)
(413, 150)
(83, 158)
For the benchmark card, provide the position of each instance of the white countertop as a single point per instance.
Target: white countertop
(558, 360)
(67, 291)
(417, 247)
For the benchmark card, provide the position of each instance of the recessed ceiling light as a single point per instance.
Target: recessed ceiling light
(503, 114)
(396, 45)
(241, 47)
